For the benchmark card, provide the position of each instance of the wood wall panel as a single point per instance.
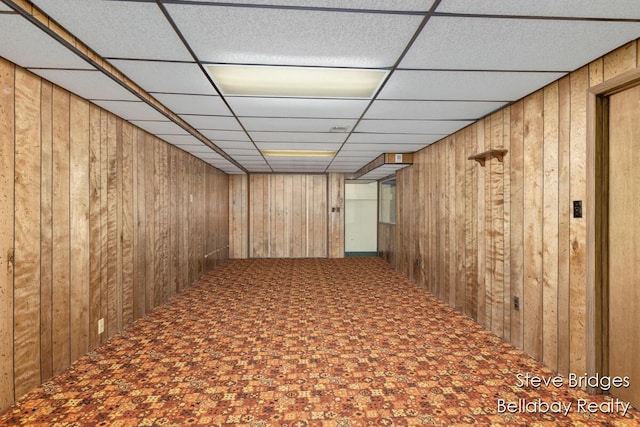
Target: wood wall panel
(564, 216)
(471, 226)
(26, 279)
(239, 216)
(506, 195)
(61, 231)
(550, 255)
(104, 218)
(387, 242)
(139, 230)
(482, 227)
(150, 220)
(317, 211)
(578, 229)
(287, 215)
(90, 230)
(519, 236)
(95, 255)
(533, 181)
(7, 154)
(46, 228)
(174, 223)
(335, 189)
(79, 231)
(258, 216)
(516, 246)
(126, 233)
(114, 275)
(458, 298)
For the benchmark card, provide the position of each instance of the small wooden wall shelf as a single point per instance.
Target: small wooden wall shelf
(497, 153)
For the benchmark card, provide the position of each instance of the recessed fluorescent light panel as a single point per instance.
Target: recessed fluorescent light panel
(298, 153)
(241, 80)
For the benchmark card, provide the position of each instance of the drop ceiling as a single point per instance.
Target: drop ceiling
(448, 63)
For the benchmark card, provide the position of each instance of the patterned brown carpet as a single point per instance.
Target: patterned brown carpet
(305, 342)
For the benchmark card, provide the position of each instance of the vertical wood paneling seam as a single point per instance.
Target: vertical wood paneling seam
(69, 272)
(542, 231)
(570, 108)
(13, 246)
(267, 221)
(50, 296)
(558, 214)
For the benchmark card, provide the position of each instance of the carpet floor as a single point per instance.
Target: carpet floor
(307, 342)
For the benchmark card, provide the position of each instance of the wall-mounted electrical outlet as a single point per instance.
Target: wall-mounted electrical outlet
(101, 326)
(577, 208)
(516, 303)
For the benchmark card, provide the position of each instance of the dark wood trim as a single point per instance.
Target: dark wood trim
(597, 217)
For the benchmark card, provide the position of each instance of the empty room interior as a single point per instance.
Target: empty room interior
(302, 213)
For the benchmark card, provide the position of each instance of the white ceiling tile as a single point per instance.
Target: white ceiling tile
(297, 107)
(225, 135)
(357, 148)
(119, 29)
(390, 5)
(351, 163)
(164, 127)
(89, 84)
(26, 45)
(390, 147)
(234, 144)
(252, 163)
(296, 146)
(296, 168)
(254, 160)
(180, 139)
(424, 127)
(259, 169)
(208, 155)
(514, 44)
(226, 167)
(193, 104)
(211, 122)
(338, 168)
(199, 149)
(464, 85)
(4, 7)
(629, 9)
(382, 138)
(242, 152)
(346, 154)
(130, 110)
(434, 110)
(299, 161)
(263, 167)
(290, 37)
(295, 125)
(298, 137)
(172, 77)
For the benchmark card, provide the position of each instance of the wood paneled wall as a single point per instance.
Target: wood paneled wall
(286, 216)
(98, 220)
(479, 236)
(335, 194)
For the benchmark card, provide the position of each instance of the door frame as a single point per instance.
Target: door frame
(597, 214)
